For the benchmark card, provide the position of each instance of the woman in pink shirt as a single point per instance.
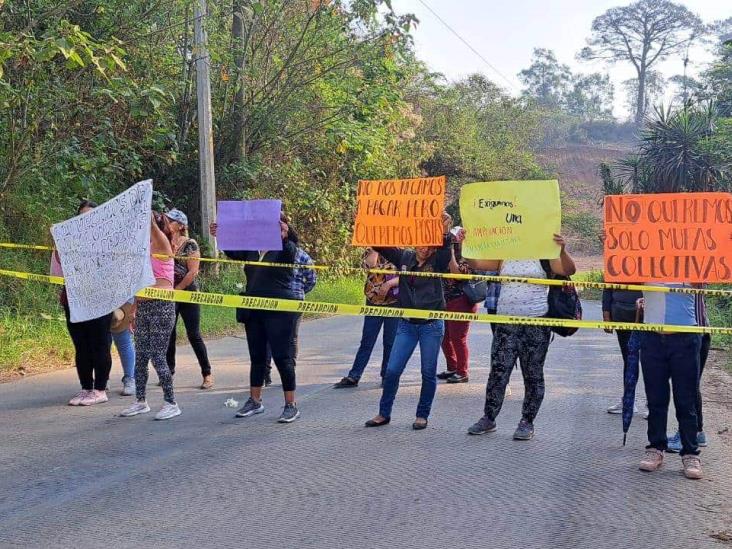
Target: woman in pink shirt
(154, 323)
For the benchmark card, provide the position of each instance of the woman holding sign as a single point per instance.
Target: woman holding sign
(91, 342)
(278, 329)
(417, 292)
(154, 323)
(527, 343)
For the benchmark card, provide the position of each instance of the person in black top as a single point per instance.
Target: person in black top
(185, 270)
(278, 329)
(416, 292)
(620, 306)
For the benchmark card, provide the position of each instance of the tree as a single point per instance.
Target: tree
(591, 97)
(643, 33)
(655, 87)
(546, 80)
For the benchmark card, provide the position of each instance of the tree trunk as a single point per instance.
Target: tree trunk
(238, 34)
(640, 106)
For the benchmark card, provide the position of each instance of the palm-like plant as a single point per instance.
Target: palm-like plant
(672, 152)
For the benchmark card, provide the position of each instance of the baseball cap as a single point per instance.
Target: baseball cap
(178, 216)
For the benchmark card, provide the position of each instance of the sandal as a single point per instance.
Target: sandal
(419, 424)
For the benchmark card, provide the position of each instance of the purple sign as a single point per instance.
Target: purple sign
(249, 225)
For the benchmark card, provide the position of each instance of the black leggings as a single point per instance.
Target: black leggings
(92, 352)
(191, 314)
(703, 355)
(279, 330)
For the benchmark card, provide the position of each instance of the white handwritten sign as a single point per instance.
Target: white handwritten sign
(105, 253)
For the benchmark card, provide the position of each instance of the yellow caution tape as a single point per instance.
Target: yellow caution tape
(316, 307)
(452, 276)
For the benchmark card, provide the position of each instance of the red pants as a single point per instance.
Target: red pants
(455, 342)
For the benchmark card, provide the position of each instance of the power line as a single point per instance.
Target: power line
(476, 52)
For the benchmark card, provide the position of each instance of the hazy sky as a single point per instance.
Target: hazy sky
(505, 33)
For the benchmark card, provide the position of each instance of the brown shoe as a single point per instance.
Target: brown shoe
(207, 382)
(692, 467)
(652, 461)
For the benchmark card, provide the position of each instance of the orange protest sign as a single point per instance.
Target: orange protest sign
(400, 212)
(679, 237)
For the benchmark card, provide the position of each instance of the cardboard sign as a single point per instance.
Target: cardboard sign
(511, 219)
(400, 212)
(105, 253)
(249, 225)
(680, 237)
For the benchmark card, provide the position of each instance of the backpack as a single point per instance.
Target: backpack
(564, 302)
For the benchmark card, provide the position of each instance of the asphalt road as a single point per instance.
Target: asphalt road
(84, 477)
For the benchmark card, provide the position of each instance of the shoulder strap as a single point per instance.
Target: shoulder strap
(547, 266)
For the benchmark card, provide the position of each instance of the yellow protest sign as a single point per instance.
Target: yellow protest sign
(511, 219)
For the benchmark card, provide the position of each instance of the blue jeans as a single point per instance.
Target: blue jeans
(429, 337)
(371, 327)
(673, 358)
(126, 349)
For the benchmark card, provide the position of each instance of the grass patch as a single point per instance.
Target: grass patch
(589, 294)
(29, 343)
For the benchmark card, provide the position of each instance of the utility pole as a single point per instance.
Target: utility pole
(205, 130)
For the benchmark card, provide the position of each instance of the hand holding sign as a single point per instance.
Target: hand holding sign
(400, 212)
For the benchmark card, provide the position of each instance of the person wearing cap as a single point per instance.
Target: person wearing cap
(187, 263)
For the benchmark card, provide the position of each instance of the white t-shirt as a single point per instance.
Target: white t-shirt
(518, 299)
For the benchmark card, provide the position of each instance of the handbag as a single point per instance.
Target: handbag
(475, 291)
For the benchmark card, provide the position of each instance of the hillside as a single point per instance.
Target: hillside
(576, 167)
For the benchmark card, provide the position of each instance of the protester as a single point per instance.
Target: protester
(278, 329)
(620, 306)
(674, 357)
(455, 342)
(302, 284)
(154, 323)
(186, 273)
(381, 290)
(92, 355)
(674, 442)
(416, 292)
(528, 344)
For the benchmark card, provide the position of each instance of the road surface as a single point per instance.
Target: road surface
(83, 477)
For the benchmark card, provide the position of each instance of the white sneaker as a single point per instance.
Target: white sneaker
(128, 386)
(616, 408)
(94, 397)
(76, 400)
(139, 407)
(168, 411)
(645, 412)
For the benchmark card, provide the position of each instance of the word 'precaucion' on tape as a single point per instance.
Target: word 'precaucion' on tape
(314, 307)
(713, 292)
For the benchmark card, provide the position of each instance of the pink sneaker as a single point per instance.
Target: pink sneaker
(81, 395)
(94, 397)
(652, 460)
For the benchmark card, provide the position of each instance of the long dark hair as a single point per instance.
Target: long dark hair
(291, 232)
(86, 204)
(163, 223)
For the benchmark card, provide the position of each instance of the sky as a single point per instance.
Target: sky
(505, 34)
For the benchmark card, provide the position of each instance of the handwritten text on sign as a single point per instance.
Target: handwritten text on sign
(511, 219)
(105, 253)
(681, 237)
(400, 212)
